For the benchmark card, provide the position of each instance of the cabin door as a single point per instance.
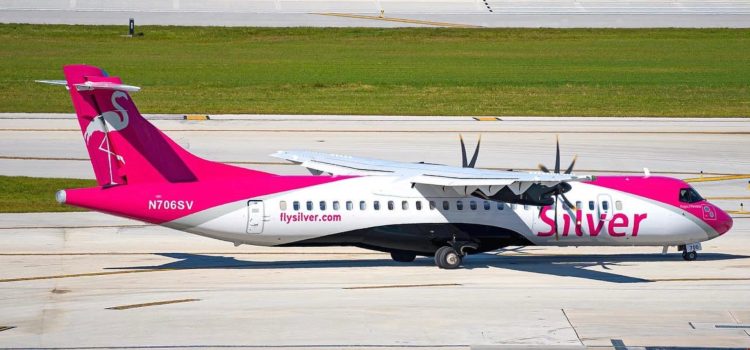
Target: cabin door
(255, 213)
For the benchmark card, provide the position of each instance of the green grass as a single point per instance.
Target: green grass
(423, 71)
(20, 194)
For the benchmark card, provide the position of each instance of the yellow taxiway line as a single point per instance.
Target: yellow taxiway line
(399, 20)
(133, 306)
(719, 178)
(406, 286)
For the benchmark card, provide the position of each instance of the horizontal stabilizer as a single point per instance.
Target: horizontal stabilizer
(93, 85)
(53, 82)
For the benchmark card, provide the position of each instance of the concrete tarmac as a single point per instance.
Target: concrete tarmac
(686, 19)
(88, 280)
(78, 280)
(387, 13)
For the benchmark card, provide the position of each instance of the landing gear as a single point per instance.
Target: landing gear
(447, 258)
(450, 256)
(689, 256)
(689, 251)
(404, 257)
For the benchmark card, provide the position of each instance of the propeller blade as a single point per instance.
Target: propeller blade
(573, 163)
(557, 156)
(476, 153)
(557, 237)
(567, 202)
(543, 168)
(464, 163)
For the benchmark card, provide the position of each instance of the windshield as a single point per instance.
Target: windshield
(689, 195)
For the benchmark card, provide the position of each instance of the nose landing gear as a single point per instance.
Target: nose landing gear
(689, 256)
(690, 251)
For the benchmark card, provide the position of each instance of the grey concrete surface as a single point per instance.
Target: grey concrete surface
(58, 281)
(408, 13)
(51, 144)
(62, 273)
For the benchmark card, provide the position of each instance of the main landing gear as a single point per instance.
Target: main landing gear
(450, 257)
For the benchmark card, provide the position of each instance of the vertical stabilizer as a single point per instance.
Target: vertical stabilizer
(123, 146)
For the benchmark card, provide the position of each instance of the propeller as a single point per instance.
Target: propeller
(559, 191)
(473, 161)
(557, 161)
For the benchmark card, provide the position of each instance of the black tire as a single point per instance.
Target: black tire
(689, 256)
(404, 257)
(439, 256)
(447, 258)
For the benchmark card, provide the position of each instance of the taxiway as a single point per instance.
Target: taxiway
(87, 280)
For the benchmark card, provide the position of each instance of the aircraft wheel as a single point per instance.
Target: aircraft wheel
(689, 256)
(447, 258)
(403, 256)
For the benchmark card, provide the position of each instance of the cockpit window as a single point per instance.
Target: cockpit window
(689, 195)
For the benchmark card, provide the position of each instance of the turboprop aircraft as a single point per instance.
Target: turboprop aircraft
(406, 209)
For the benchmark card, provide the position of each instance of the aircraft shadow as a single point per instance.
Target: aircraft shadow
(555, 265)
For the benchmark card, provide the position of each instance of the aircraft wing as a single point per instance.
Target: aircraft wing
(468, 179)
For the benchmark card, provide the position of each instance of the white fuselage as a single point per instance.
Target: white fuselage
(603, 217)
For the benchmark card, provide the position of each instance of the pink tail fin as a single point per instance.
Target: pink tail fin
(123, 146)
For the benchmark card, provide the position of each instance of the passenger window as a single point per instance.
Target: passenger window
(335, 205)
(390, 205)
(487, 205)
(432, 205)
(282, 205)
(500, 205)
(579, 205)
(362, 205)
(349, 205)
(514, 206)
(591, 205)
(376, 205)
(322, 205)
(605, 205)
(525, 207)
(446, 205)
(309, 205)
(404, 205)
(459, 205)
(418, 205)
(618, 205)
(296, 205)
(473, 205)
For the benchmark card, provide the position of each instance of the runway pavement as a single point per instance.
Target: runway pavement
(90, 280)
(74, 281)
(395, 13)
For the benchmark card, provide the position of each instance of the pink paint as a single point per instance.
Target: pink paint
(133, 150)
(666, 190)
(143, 173)
(138, 201)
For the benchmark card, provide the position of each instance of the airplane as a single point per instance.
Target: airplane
(405, 209)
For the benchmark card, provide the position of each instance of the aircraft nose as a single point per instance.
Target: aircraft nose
(723, 222)
(726, 222)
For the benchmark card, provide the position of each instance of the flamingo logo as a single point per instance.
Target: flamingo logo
(110, 120)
